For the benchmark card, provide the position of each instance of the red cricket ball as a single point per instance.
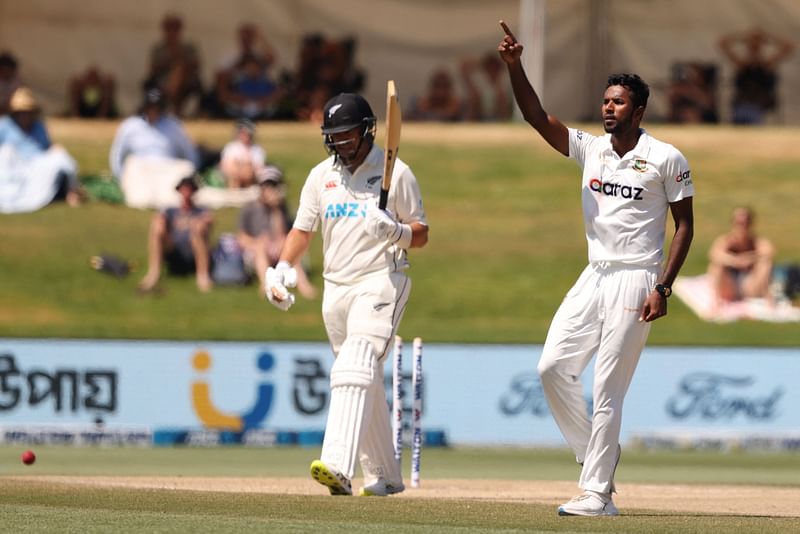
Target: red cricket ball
(28, 457)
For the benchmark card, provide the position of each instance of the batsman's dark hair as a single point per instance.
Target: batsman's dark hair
(640, 91)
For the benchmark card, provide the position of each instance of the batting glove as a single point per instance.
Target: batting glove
(278, 279)
(382, 225)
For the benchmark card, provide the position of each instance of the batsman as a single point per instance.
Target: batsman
(365, 285)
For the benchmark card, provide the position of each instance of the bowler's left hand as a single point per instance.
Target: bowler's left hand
(655, 306)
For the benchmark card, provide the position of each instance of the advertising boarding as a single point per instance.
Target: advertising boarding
(474, 394)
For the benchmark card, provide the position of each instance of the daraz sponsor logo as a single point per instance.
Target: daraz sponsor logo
(616, 190)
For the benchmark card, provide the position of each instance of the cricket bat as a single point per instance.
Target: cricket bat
(393, 123)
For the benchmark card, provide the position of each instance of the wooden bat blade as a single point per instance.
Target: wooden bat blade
(394, 122)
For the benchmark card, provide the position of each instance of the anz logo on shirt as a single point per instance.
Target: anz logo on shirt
(339, 210)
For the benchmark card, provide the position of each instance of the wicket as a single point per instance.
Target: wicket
(416, 406)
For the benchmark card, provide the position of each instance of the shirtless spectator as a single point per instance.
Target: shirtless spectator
(740, 261)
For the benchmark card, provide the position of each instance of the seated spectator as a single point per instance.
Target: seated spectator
(250, 43)
(9, 79)
(241, 158)
(33, 171)
(756, 56)
(327, 67)
(692, 94)
(175, 66)
(487, 88)
(740, 262)
(336, 69)
(150, 153)
(248, 92)
(179, 237)
(263, 225)
(440, 103)
(91, 95)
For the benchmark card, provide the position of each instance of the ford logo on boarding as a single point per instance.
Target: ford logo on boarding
(711, 396)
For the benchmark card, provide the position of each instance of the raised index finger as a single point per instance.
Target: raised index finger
(507, 30)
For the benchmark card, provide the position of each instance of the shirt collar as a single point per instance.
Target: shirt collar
(641, 150)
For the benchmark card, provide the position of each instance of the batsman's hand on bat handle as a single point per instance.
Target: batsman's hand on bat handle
(509, 48)
(277, 280)
(382, 225)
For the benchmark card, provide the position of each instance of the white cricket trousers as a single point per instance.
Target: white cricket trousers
(362, 317)
(599, 315)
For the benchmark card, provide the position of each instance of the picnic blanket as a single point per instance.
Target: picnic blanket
(696, 292)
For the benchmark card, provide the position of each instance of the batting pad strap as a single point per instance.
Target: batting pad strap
(355, 365)
(404, 239)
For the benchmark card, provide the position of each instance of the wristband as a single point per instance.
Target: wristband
(404, 239)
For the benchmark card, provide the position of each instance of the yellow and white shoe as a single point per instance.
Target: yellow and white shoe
(337, 483)
(381, 488)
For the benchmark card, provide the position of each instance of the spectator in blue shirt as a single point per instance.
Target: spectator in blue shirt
(150, 153)
(153, 132)
(33, 171)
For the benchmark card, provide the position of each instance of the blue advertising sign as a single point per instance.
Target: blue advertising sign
(476, 394)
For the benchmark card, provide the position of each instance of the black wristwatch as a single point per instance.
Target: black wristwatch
(664, 291)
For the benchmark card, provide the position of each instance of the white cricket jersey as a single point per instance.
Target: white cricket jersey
(626, 200)
(337, 200)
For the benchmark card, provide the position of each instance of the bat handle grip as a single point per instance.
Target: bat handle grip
(383, 199)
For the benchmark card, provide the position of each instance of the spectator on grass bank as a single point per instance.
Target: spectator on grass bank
(179, 237)
(152, 132)
(755, 55)
(151, 152)
(33, 171)
(263, 226)
(326, 68)
(740, 262)
(175, 66)
(488, 91)
(92, 95)
(242, 159)
(248, 91)
(9, 79)
(250, 42)
(692, 94)
(440, 102)
(250, 45)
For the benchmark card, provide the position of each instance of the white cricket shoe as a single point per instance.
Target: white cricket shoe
(337, 483)
(590, 503)
(381, 488)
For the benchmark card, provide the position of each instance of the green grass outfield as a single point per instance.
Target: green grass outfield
(33, 504)
(506, 240)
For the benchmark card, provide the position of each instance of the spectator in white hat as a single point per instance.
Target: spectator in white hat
(33, 171)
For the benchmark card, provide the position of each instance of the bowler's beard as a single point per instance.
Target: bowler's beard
(620, 126)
